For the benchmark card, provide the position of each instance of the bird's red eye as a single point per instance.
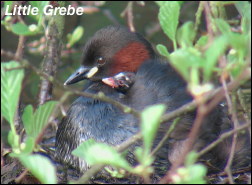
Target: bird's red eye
(101, 61)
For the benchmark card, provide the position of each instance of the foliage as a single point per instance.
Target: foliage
(193, 62)
(195, 56)
(11, 80)
(168, 18)
(10, 91)
(41, 167)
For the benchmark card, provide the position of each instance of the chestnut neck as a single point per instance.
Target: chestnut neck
(130, 57)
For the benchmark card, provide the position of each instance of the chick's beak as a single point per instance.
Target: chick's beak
(81, 74)
(110, 82)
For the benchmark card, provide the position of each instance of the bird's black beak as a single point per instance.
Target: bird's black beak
(81, 74)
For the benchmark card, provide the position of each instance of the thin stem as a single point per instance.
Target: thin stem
(174, 45)
(161, 143)
(198, 15)
(222, 137)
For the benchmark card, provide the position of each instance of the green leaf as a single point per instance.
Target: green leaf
(40, 5)
(8, 3)
(240, 42)
(217, 48)
(35, 123)
(223, 26)
(235, 66)
(100, 153)
(22, 29)
(244, 8)
(183, 60)
(139, 154)
(186, 35)
(13, 140)
(163, 50)
(197, 174)
(11, 82)
(150, 120)
(76, 36)
(194, 174)
(168, 18)
(41, 167)
(28, 120)
(201, 42)
(161, 3)
(191, 158)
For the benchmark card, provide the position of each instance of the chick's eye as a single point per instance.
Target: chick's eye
(120, 82)
(101, 61)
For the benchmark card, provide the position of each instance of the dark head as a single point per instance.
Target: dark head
(112, 50)
(121, 81)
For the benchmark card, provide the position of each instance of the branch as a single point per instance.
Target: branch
(201, 113)
(222, 137)
(52, 57)
(208, 17)
(21, 44)
(161, 143)
(129, 12)
(20, 49)
(234, 140)
(110, 16)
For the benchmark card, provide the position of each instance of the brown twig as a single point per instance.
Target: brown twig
(110, 16)
(222, 137)
(51, 60)
(20, 48)
(208, 17)
(201, 113)
(154, 28)
(237, 172)
(166, 136)
(234, 139)
(21, 176)
(21, 44)
(129, 12)
(219, 93)
(8, 54)
(198, 15)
